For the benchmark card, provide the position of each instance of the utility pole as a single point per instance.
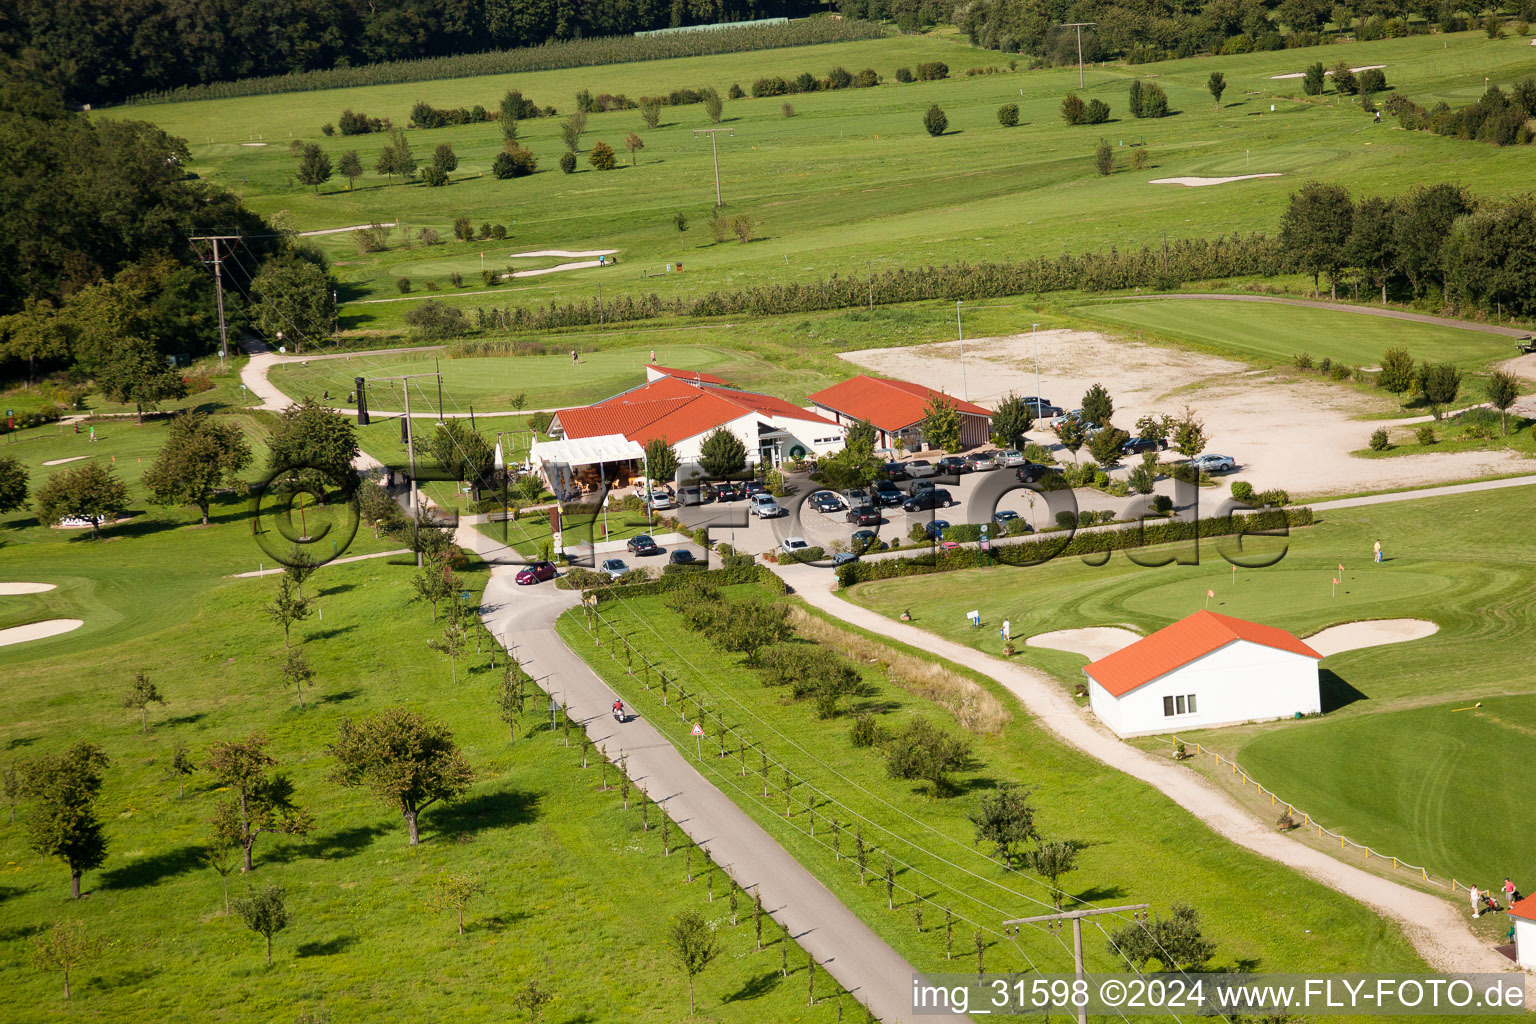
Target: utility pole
(1033, 336)
(218, 284)
(960, 330)
(410, 443)
(715, 148)
(1080, 25)
(1076, 917)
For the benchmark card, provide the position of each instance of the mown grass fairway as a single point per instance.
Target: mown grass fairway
(1269, 333)
(852, 181)
(577, 895)
(1136, 845)
(1462, 562)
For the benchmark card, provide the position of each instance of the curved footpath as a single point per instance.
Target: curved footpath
(1435, 929)
(1337, 307)
(849, 951)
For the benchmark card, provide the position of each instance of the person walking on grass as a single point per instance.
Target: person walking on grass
(1377, 550)
(1477, 902)
(1511, 894)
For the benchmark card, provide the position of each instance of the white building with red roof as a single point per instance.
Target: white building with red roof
(684, 411)
(897, 408)
(1523, 913)
(1204, 671)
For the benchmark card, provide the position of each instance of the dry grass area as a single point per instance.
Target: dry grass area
(973, 707)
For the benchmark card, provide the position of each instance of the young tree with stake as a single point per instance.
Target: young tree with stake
(453, 891)
(264, 913)
(261, 801)
(63, 948)
(142, 693)
(693, 947)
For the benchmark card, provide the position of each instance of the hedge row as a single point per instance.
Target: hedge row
(1047, 546)
(1195, 259)
(573, 53)
(751, 573)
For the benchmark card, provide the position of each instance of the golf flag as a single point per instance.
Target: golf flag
(1341, 570)
(1335, 590)
(1208, 595)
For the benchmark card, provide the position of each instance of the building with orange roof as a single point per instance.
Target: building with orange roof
(683, 412)
(896, 409)
(1203, 671)
(1523, 914)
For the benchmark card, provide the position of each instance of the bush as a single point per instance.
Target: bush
(327, 130)
(1242, 491)
(456, 279)
(839, 78)
(932, 71)
(1104, 157)
(866, 732)
(1096, 112)
(1139, 158)
(1426, 434)
(601, 156)
(514, 162)
(434, 320)
(1008, 115)
(1379, 442)
(1372, 80)
(1162, 504)
(1302, 361)
(773, 86)
(1341, 371)
(935, 121)
(403, 284)
(489, 278)
(736, 92)
(866, 79)
(1325, 365)
(788, 110)
(434, 176)
(804, 82)
(1073, 109)
(903, 74)
(568, 162)
(1066, 519)
(1274, 498)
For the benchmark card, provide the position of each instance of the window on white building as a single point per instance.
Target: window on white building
(1180, 705)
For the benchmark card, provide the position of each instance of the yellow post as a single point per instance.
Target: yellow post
(1319, 831)
(1394, 863)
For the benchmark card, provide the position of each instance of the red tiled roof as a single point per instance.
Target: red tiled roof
(1181, 643)
(1525, 908)
(888, 404)
(674, 409)
(695, 375)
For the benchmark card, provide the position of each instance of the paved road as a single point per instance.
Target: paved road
(1339, 307)
(853, 954)
(1435, 929)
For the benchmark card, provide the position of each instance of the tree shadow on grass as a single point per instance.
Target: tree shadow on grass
(338, 697)
(327, 634)
(191, 719)
(503, 809)
(754, 988)
(501, 922)
(134, 977)
(330, 947)
(154, 869)
(20, 931)
(21, 741)
(1094, 894)
(340, 588)
(344, 842)
(1335, 691)
(9, 892)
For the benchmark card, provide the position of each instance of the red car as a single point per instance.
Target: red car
(538, 572)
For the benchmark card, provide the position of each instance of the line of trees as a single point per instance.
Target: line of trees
(1438, 244)
(1496, 118)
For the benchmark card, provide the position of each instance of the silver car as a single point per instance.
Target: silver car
(921, 468)
(1012, 458)
(614, 567)
(1214, 463)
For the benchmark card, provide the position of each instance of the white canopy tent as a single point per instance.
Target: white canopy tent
(557, 461)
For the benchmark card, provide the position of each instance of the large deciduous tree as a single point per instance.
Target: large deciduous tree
(295, 296)
(1005, 818)
(1372, 245)
(314, 447)
(461, 450)
(406, 761)
(89, 491)
(200, 456)
(941, 423)
(13, 484)
(261, 801)
(1315, 229)
(1011, 420)
(314, 167)
(34, 334)
(63, 821)
(1427, 214)
(722, 454)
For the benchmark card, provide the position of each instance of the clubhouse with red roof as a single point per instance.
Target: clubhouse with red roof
(897, 410)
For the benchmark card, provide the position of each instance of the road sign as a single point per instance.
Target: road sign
(698, 730)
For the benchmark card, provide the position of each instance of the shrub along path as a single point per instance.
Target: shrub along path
(1434, 928)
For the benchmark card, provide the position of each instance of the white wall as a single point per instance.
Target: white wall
(1525, 941)
(1240, 682)
(804, 433)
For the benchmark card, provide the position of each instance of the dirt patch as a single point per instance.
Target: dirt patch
(1352, 636)
(1202, 182)
(38, 630)
(10, 589)
(1283, 432)
(1092, 642)
(564, 253)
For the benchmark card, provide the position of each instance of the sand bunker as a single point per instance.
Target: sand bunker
(1093, 642)
(1367, 67)
(60, 462)
(1201, 182)
(353, 227)
(253, 143)
(38, 630)
(10, 589)
(1371, 633)
(567, 253)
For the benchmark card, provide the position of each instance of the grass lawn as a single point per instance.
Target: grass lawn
(1269, 333)
(224, 393)
(852, 181)
(1462, 562)
(530, 533)
(1135, 843)
(548, 844)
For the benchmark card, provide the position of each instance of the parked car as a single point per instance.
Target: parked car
(642, 544)
(682, 556)
(755, 487)
(844, 557)
(923, 501)
(921, 468)
(918, 486)
(765, 507)
(888, 494)
(1005, 518)
(538, 572)
(1137, 445)
(980, 461)
(854, 496)
(935, 528)
(1057, 420)
(865, 541)
(1041, 408)
(896, 471)
(614, 567)
(826, 501)
(954, 464)
(657, 500)
(1011, 458)
(729, 491)
(1031, 472)
(791, 545)
(863, 515)
(1214, 463)
(692, 495)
